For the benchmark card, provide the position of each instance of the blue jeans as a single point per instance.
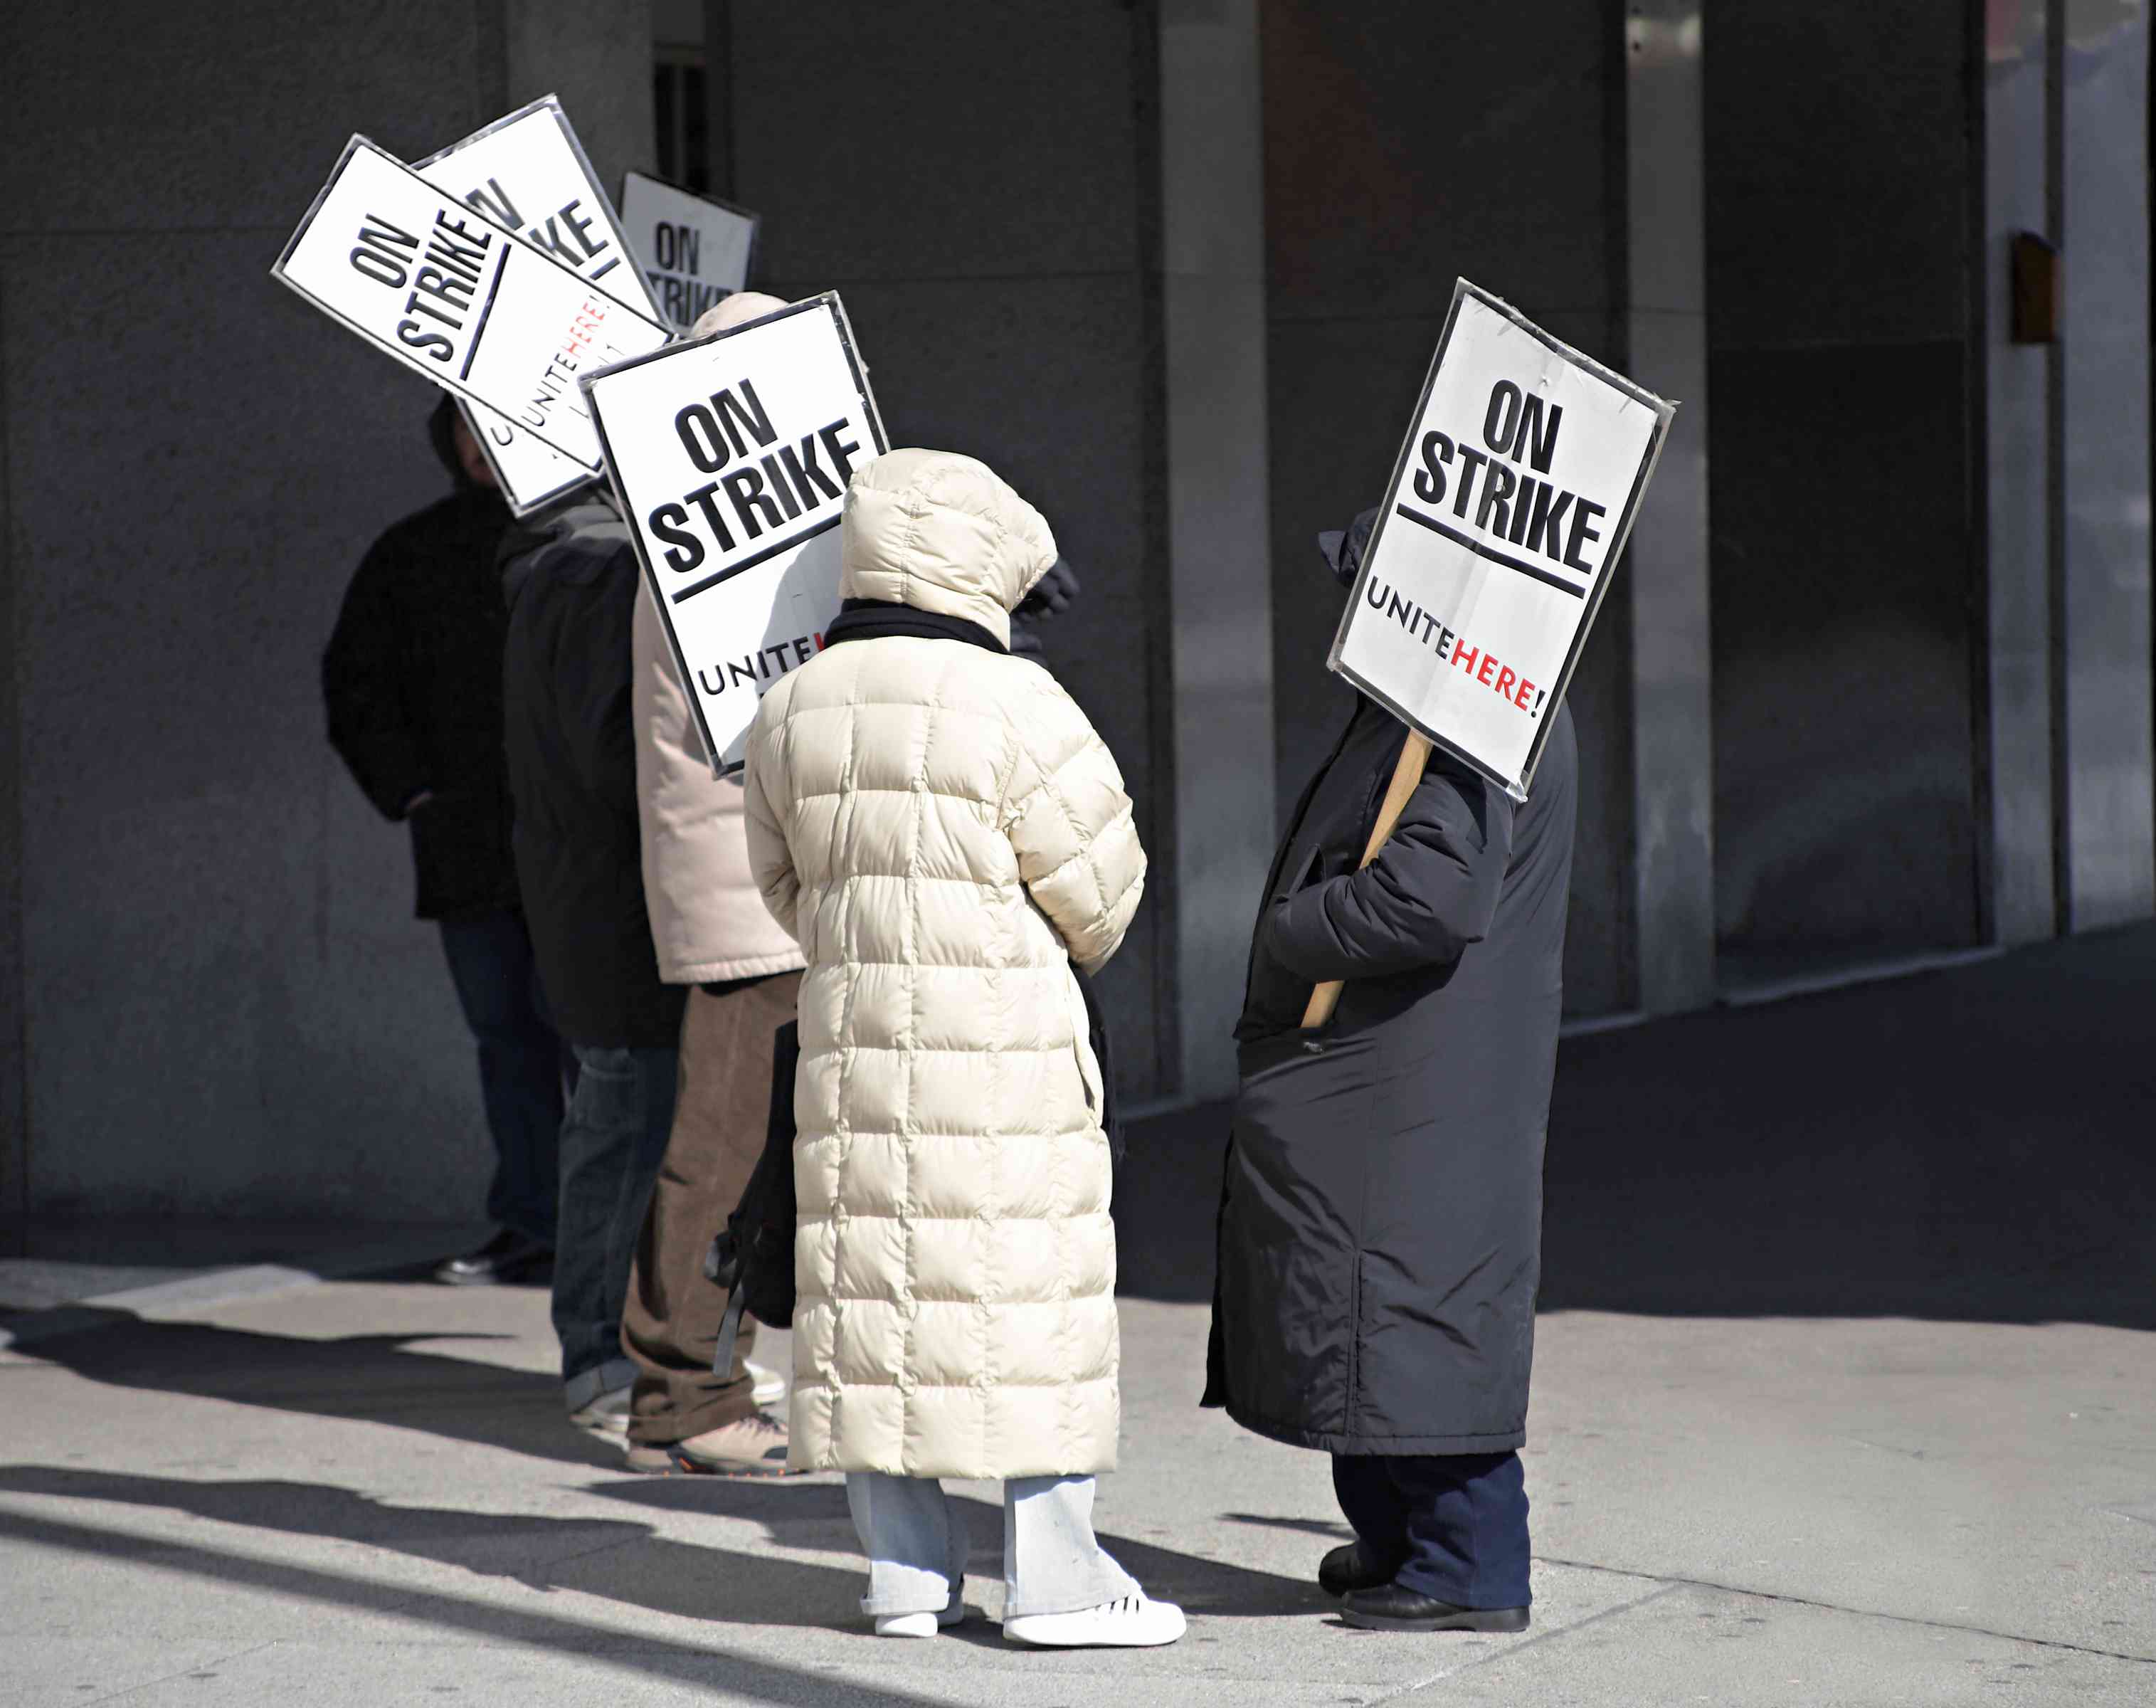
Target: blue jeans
(612, 1144)
(1453, 1525)
(522, 1065)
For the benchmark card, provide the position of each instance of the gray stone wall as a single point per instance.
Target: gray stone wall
(220, 1001)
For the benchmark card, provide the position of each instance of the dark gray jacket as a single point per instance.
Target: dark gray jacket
(1380, 1227)
(571, 579)
(412, 681)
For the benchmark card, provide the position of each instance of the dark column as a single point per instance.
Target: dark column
(1846, 477)
(976, 179)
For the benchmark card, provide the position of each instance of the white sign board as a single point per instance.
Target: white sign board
(695, 251)
(485, 315)
(731, 456)
(528, 171)
(1506, 512)
(530, 474)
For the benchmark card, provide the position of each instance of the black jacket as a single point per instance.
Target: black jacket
(570, 579)
(1380, 1228)
(412, 680)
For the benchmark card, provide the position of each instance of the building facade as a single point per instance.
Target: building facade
(1873, 683)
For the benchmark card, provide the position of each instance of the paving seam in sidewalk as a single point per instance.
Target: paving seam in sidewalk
(184, 1672)
(1828, 1606)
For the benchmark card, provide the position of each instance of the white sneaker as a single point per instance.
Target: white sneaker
(922, 1624)
(1134, 1622)
(607, 1415)
(770, 1386)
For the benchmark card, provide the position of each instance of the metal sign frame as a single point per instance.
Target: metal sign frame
(528, 507)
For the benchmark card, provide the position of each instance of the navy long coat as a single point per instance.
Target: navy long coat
(1380, 1227)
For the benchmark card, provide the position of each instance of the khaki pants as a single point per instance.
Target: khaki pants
(670, 1325)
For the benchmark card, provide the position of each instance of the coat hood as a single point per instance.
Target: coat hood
(1342, 548)
(941, 533)
(577, 538)
(441, 434)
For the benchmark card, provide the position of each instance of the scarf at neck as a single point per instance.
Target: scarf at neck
(878, 619)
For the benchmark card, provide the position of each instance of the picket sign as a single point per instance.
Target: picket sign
(1508, 509)
(488, 316)
(694, 249)
(528, 171)
(730, 456)
(1506, 512)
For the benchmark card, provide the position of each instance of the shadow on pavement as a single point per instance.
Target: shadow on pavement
(370, 1378)
(705, 1666)
(625, 1561)
(1967, 1146)
(1211, 1587)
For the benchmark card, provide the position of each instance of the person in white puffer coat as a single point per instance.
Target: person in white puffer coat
(941, 828)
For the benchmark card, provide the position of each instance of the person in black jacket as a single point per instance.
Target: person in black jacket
(1380, 1225)
(412, 679)
(570, 580)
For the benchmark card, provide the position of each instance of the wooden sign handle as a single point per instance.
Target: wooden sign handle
(1414, 756)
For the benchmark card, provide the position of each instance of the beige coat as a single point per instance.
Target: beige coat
(943, 830)
(708, 922)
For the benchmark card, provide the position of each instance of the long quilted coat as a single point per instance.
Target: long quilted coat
(1380, 1231)
(944, 834)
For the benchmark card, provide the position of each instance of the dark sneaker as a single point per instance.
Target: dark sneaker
(508, 1257)
(1391, 1608)
(1352, 1567)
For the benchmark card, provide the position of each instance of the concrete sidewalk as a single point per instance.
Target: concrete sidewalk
(1846, 1394)
(366, 1493)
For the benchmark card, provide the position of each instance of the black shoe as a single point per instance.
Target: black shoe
(1352, 1566)
(508, 1257)
(1391, 1608)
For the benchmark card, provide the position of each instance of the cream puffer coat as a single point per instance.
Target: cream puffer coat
(708, 920)
(945, 833)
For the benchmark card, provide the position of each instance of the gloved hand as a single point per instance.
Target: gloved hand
(1342, 548)
(1050, 597)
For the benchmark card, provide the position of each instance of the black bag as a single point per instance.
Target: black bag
(1096, 1035)
(752, 1256)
